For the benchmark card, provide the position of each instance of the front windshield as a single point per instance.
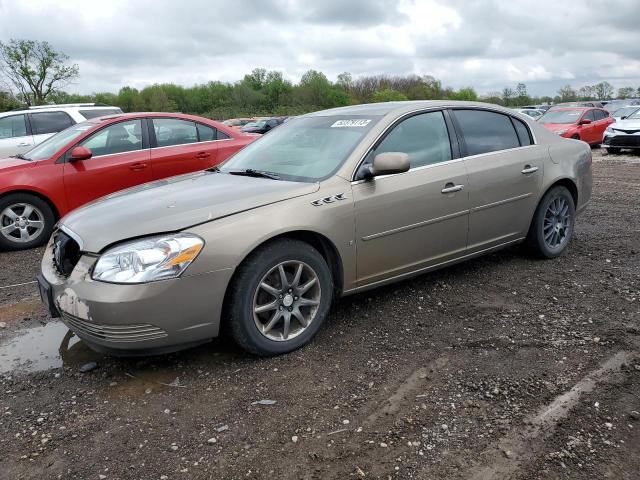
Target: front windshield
(306, 149)
(52, 144)
(634, 116)
(560, 116)
(624, 111)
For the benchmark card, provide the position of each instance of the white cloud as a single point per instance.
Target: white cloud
(488, 44)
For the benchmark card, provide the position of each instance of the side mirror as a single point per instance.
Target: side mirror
(623, 117)
(80, 153)
(585, 121)
(388, 163)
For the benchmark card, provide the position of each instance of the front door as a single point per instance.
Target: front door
(119, 161)
(413, 220)
(505, 173)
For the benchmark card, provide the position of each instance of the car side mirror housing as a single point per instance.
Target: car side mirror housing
(80, 153)
(388, 163)
(623, 117)
(585, 121)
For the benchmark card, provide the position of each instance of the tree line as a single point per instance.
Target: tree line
(35, 73)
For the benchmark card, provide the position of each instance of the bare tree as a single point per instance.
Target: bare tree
(35, 69)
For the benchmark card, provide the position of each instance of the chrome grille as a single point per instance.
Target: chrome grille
(115, 333)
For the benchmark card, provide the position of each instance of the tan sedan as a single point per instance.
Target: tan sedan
(328, 204)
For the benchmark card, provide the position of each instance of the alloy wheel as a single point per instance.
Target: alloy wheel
(557, 223)
(286, 300)
(21, 222)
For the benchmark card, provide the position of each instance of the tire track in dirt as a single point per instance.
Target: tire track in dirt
(516, 450)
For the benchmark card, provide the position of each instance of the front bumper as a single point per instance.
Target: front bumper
(137, 318)
(621, 140)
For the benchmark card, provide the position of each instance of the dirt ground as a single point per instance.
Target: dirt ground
(502, 367)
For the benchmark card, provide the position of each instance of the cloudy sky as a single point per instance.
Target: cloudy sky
(487, 44)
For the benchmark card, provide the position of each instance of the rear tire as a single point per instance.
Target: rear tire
(26, 221)
(552, 225)
(613, 150)
(267, 316)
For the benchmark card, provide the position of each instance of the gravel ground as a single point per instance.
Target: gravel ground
(502, 367)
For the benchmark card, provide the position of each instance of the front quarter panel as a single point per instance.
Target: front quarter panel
(229, 240)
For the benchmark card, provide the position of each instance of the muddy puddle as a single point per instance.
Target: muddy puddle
(43, 347)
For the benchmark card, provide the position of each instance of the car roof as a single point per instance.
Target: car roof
(399, 108)
(60, 107)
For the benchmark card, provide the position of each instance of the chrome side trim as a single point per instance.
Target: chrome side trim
(501, 202)
(414, 225)
(429, 268)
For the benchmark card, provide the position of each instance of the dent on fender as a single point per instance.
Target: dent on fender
(69, 302)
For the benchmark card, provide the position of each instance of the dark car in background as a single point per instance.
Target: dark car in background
(261, 126)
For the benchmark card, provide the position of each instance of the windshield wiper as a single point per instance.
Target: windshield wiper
(250, 172)
(212, 169)
(20, 156)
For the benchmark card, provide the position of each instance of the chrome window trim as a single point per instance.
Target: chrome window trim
(156, 148)
(418, 111)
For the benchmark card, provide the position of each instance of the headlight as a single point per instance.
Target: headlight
(561, 132)
(609, 130)
(148, 259)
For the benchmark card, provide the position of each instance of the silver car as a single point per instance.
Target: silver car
(328, 204)
(624, 133)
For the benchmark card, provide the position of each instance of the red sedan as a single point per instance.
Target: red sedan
(581, 123)
(98, 157)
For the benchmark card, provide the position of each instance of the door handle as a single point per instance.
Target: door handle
(452, 188)
(202, 155)
(529, 169)
(23, 144)
(136, 167)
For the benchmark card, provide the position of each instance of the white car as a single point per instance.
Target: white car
(21, 130)
(530, 112)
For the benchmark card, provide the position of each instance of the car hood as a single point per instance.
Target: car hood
(633, 124)
(12, 162)
(554, 127)
(174, 204)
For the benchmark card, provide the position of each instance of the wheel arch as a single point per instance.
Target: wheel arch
(41, 196)
(320, 242)
(569, 184)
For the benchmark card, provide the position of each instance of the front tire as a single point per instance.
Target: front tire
(612, 150)
(279, 298)
(552, 225)
(26, 221)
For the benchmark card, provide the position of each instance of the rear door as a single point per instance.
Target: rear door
(505, 171)
(410, 221)
(603, 120)
(181, 146)
(120, 160)
(46, 124)
(15, 136)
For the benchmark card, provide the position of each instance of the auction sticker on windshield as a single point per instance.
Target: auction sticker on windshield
(351, 123)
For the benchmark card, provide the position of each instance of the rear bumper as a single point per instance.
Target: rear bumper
(142, 318)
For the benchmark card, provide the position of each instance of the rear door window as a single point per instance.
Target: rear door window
(485, 131)
(173, 131)
(600, 114)
(589, 116)
(93, 113)
(13, 126)
(50, 122)
(117, 138)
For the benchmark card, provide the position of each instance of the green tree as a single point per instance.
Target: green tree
(603, 90)
(567, 94)
(8, 101)
(35, 69)
(507, 96)
(467, 93)
(626, 92)
(388, 95)
(129, 100)
(275, 88)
